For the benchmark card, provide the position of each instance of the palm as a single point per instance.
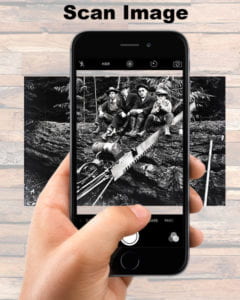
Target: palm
(56, 244)
(62, 229)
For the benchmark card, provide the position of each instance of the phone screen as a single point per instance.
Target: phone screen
(130, 143)
(129, 122)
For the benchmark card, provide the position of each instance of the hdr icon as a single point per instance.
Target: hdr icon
(105, 63)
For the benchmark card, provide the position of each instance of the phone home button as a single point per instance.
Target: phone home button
(129, 260)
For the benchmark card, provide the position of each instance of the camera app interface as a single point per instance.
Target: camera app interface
(129, 141)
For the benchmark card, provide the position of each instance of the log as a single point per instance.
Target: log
(155, 180)
(201, 133)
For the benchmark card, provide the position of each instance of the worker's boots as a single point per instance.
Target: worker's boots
(110, 132)
(137, 127)
(132, 126)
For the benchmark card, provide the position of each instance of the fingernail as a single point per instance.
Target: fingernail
(140, 211)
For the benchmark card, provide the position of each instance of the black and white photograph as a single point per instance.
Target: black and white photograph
(129, 137)
(131, 151)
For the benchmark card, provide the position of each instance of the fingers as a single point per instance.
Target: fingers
(127, 280)
(119, 285)
(196, 237)
(56, 191)
(97, 240)
(196, 203)
(197, 168)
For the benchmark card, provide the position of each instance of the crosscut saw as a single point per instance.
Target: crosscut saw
(131, 157)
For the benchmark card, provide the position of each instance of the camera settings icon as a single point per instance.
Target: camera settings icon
(177, 64)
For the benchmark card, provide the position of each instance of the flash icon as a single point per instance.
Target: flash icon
(81, 63)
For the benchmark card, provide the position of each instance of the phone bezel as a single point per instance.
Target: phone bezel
(174, 43)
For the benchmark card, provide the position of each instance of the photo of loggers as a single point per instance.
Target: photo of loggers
(129, 137)
(136, 145)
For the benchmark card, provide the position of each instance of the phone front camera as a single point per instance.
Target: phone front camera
(148, 45)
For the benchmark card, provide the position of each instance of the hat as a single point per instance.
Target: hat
(161, 91)
(152, 89)
(124, 85)
(142, 85)
(111, 89)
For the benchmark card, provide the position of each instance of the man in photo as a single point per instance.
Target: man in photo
(161, 113)
(128, 100)
(108, 110)
(140, 110)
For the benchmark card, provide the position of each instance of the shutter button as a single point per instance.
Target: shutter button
(130, 240)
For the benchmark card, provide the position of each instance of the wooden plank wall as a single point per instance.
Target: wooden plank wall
(35, 40)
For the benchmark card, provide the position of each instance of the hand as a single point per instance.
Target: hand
(135, 111)
(139, 111)
(123, 115)
(132, 112)
(155, 110)
(63, 262)
(101, 114)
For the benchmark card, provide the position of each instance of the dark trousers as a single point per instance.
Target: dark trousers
(104, 120)
(138, 121)
(163, 119)
(119, 122)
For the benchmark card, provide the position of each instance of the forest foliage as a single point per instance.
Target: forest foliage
(47, 98)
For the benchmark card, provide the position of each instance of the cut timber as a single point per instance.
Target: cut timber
(47, 143)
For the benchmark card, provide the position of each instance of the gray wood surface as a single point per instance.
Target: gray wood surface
(35, 41)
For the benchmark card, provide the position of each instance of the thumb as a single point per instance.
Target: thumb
(96, 241)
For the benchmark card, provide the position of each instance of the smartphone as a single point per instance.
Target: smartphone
(129, 141)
